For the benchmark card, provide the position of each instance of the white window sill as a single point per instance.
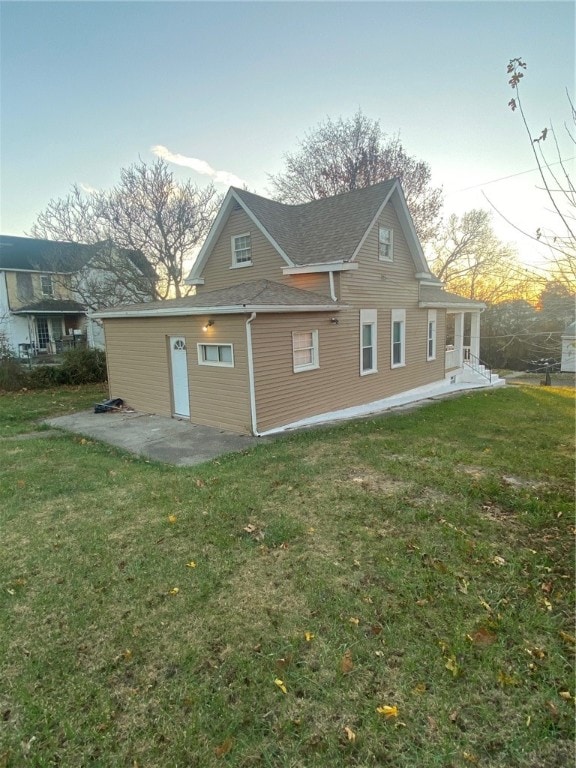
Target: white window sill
(430, 359)
(386, 261)
(216, 364)
(398, 365)
(367, 373)
(241, 266)
(303, 368)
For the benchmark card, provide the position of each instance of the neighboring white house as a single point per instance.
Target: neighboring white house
(569, 349)
(43, 306)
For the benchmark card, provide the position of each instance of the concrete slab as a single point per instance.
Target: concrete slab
(156, 437)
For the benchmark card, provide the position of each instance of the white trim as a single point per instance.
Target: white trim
(227, 310)
(432, 318)
(315, 355)
(251, 386)
(390, 244)
(479, 307)
(215, 363)
(333, 266)
(374, 220)
(398, 316)
(369, 317)
(196, 281)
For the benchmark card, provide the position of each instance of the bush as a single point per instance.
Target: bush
(43, 377)
(13, 375)
(83, 366)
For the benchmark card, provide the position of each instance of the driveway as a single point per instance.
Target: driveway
(156, 437)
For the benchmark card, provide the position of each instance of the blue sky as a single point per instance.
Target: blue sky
(87, 88)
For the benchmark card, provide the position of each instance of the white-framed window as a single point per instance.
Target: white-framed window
(46, 285)
(398, 338)
(216, 354)
(368, 337)
(305, 351)
(385, 244)
(431, 340)
(242, 250)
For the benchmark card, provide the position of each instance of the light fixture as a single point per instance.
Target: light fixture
(208, 325)
(334, 320)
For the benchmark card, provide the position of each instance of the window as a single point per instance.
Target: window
(368, 361)
(305, 350)
(24, 289)
(46, 285)
(431, 343)
(398, 338)
(241, 251)
(385, 244)
(216, 354)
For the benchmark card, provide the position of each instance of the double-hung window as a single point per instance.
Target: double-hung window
(242, 250)
(431, 341)
(398, 338)
(305, 351)
(216, 354)
(385, 244)
(368, 334)
(46, 285)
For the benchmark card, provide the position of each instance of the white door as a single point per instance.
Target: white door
(179, 369)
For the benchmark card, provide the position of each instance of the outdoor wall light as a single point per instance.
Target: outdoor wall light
(208, 325)
(334, 320)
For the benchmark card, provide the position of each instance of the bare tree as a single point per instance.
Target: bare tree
(341, 155)
(473, 262)
(556, 184)
(149, 212)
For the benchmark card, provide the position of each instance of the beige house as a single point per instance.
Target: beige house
(300, 311)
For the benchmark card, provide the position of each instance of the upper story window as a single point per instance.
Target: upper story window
(305, 351)
(46, 285)
(368, 359)
(241, 250)
(24, 289)
(385, 244)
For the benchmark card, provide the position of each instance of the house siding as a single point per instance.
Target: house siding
(15, 302)
(138, 359)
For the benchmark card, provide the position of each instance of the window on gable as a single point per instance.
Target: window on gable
(368, 355)
(216, 354)
(241, 250)
(305, 351)
(24, 289)
(431, 341)
(46, 285)
(385, 244)
(398, 338)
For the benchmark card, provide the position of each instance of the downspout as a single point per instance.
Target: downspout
(332, 291)
(251, 375)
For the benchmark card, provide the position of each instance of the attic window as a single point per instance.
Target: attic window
(385, 244)
(242, 250)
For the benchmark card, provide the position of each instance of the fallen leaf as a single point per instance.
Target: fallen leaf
(463, 586)
(284, 662)
(506, 679)
(280, 684)
(174, 590)
(565, 695)
(191, 564)
(452, 665)
(172, 518)
(387, 711)
(127, 654)
(553, 709)
(354, 620)
(470, 758)
(420, 688)
(548, 604)
(350, 735)
(567, 638)
(309, 636)
(199, 483)
(483, 637)
(454, 715)
(224, 748)
(346, 664)
(497, 560)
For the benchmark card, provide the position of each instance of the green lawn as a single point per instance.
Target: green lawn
(394, 592)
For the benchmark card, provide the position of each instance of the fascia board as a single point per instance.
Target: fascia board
(213, 235)
(232, 310)
(36, 271)
(264, 231)
(374, 220)
(48, 311)
(305, 269)
(444, 305)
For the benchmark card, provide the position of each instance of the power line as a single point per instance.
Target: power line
(504, 178)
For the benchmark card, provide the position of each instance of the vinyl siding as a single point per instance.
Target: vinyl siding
(59, 287)
(138, 359)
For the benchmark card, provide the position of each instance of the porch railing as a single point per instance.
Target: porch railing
(453, 358)
(474, 362)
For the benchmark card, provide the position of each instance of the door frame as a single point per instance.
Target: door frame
(183, 382)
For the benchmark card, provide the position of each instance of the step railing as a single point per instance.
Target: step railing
(473, 361)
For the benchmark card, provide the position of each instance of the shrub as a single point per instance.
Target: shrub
(82, 366)
(44, 376)
(13, 375)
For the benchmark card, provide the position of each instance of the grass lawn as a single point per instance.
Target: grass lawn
(394, 592)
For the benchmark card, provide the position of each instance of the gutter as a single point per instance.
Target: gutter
(251, 375)
(332, 289)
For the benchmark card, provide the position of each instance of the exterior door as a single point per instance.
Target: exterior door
(179, 371)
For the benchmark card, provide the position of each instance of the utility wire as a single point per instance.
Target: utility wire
(504, 178)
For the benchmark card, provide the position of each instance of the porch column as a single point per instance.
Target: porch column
(475, 334)
(459, 336)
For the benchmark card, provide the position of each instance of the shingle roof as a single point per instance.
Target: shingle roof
(321, 231)
(38, 255)
(63, 306)
(434, 294)
(260, 293)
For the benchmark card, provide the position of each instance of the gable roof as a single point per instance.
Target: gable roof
(36, 255)
(326, 231)
(257, 296)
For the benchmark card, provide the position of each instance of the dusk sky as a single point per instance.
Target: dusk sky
(228, 87)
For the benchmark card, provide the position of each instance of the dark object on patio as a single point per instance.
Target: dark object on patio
(109, 405)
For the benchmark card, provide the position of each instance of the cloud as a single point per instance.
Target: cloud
(87, 188)
(200, 166)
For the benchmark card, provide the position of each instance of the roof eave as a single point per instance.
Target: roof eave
(333, 266)
(470, 306)
(235, 309)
